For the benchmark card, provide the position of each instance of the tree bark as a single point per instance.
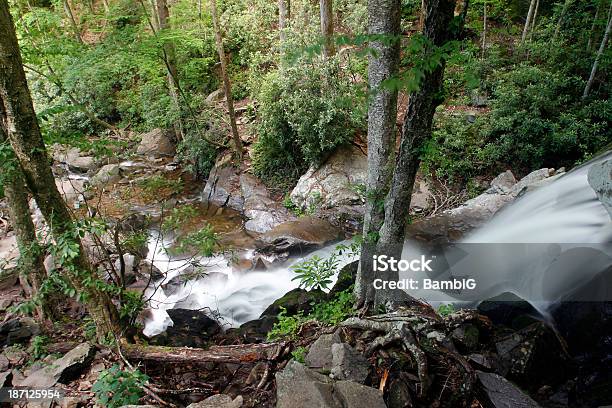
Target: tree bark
(602, 48)
(528, 20)
(484, 28)
(384, 19)
(534, 19)
(327, 27)
(561, 16)
(170, 61)
(226, 82)
(593, 26)
(31, 256)
(27, 143)
(283, 16)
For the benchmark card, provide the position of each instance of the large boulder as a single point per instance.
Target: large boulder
(600, 179)
(453, 224)
(320, 353)
(75, 159)
(63, 369)
(157, 143)
(223, 185)
(261, 211)
(190, 328)
(17, 330)
(108, 174)
(348, 364)
(497, 392)
(302, 235)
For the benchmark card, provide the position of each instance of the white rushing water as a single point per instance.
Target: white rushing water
(511, 253)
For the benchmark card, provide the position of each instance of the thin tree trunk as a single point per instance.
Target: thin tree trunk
(593, 26)
(484, 29)
(384, 19)
(415, 132)
(31, 256)
(226, 82)
(26, 140)
(283, 16)
(602, 48)
(170, 61)
(528, 20)
(327, 27)
(533, 20)
(73, 23)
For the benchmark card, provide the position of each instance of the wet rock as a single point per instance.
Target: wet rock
(108, 174)
(294, 301)
(600, 180)
(509, 310)
(346, 278)
(300, 387)
(6, 378)
(223, 185)
(262, 212)
(191, 328)
(353, 395)
(129, 261)
(465, 337)
(157, 143)
(146, 269)
(302, 235)
(348, 364)
(320, 353)
(17, 330)
(218, 401)
(497, 392)
(63, 369)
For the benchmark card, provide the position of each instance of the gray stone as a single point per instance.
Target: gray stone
(503, 183)
(497, 392)
(216, 96)
(348, 363)
(4, 363)
(305, 233)
(70, 189)
(5, 379)
(18, 330)
(320, 353)
(532, 178)
(62, 370)
(334, 182)
(108, 174)
(600, 180)
(262, 212)
(218, 401)
(129, 262)
(223, 185)
(157, 143)
(300, 387)
(353, 395)
(74, 158)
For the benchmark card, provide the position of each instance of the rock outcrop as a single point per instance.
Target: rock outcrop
(157, 143)
(600, 179)
(299, 236)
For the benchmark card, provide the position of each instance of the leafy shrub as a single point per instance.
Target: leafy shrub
(38, 347)
(286, 326)
(299, 354)
(204, 242)
(336, 310)
(315, 272)
(116, 387)
(306, 111)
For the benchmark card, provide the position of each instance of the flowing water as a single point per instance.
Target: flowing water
(543, 247)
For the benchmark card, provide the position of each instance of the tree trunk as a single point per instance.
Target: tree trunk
(561, 16)
(26, 140)
(73, 23)
(226, 82)
(283, 16)
(528, 20)
(384, 19)
(327, 27)
(602, 48)
(31, 256)
(534, 19)
(170, 61)
(593, 26)
(484, 29)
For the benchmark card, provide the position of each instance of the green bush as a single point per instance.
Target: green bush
(116, 387)
(305, 112)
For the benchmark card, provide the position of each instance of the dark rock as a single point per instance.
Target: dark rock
(346, 278)
(509, 310)
(348, 364)
(4, 363)
(300, 387)
(18, 330)
(353, 395)
(191, 328)
(399, 395)
(294, 301)
(320, 353)
(256, 331)
(146, 269)
(6, 378)
(497, 392)
(299, 236)
(465, 337)
(64, 369)
(223, 185)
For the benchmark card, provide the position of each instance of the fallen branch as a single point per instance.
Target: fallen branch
(247, 353)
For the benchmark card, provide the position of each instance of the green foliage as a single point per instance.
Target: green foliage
(152, 185)
(306, 111)
(291, 206)
(315, 272)
(38, 347)
(203, 242)
(179, 216)
(299, 354)
(445, 310)
(116, 387)
(133, 242)
(199, 155)
(132, 303)
(335, 310)
(286, 326)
